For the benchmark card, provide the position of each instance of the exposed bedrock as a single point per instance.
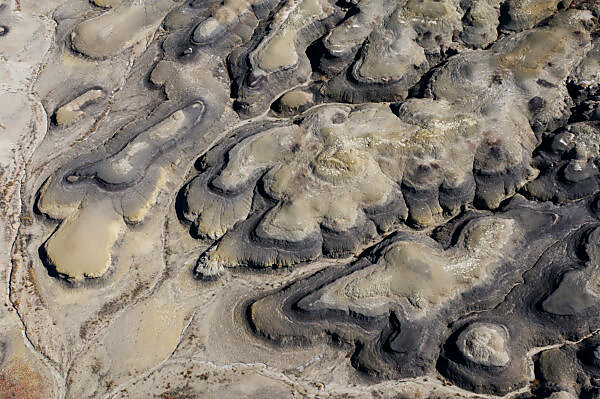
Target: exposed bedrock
(486, 356)
(524, 14)
(119, 28)
(571, 370)
(480, 22)
(343, 41)
(75, 89)
(392, 56)
(398, 302)
(525, 72)
(556, 302)
(402, 197)
(341, 176)
(584, 81)
(378, 53)
(264, 68)
(485, 345)
(75, 109)
(338, 176)
(231, 24)
(568, 164)
(96, 194)
(577, 291)
(382, 49)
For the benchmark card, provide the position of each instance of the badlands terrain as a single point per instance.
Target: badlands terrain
(300, 199)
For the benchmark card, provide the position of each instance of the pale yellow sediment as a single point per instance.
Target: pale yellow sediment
(81, 247)
(72, 111)
(119, 28)
(279, 51)
(296, 98)
(139, 213)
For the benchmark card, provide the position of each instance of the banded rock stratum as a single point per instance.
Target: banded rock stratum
(300, 199)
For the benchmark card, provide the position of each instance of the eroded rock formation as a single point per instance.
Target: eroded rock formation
(300, 198)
